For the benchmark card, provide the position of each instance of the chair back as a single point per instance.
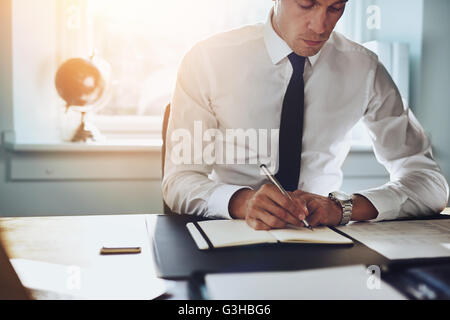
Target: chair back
(163, 151)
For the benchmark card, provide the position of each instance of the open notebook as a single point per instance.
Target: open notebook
(231, 233)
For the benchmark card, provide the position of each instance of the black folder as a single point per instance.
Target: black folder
(178, 257)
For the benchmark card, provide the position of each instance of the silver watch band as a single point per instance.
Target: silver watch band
(347, 208)
(346, 203)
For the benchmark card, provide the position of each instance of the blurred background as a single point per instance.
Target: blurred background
(144, 42)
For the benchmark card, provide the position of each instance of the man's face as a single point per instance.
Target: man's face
(306, 25)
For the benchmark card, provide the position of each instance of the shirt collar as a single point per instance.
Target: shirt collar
(276, 47)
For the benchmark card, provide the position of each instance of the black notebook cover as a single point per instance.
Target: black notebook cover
(178, 257)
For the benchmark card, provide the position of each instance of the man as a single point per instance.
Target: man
(297, 76)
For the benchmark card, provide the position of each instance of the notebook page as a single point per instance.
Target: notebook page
(226, 233)
(304, 235)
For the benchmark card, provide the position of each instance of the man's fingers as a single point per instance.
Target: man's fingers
(317, 217)
(281, 200)
(310, 201)
(257, 224)
(313, 219)
(304, 212)
(313, 205)
(271, 207)
(269, 219)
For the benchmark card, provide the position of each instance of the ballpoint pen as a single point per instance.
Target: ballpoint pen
(280, 187)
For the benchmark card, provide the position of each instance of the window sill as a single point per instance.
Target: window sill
(137, 159)
(153, 144)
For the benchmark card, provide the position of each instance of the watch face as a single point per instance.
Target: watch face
(341, 196)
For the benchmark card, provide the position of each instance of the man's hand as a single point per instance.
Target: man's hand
(321, 210)
(324, 211)
(267, 208)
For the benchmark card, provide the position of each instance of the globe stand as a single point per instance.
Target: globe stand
(86, 131)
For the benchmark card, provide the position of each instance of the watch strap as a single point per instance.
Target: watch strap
(346, 206)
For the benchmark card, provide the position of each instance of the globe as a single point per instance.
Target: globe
(84, 85)
(79, 82)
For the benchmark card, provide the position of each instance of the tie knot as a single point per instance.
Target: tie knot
(298, 62)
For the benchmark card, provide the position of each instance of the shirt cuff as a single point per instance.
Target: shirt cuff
(219, 200)
(386, 201)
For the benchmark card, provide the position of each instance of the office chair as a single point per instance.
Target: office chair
(163, 152)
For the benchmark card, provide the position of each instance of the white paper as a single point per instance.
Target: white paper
(45, 277)
(404, 239)
(113, 278)
(223, 233)
(304, 235)
(343, 283)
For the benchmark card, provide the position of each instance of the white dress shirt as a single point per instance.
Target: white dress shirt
(238, 79)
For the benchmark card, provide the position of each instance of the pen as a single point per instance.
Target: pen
(120, 250)
(280, 187)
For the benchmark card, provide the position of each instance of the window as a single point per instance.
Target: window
(144, 42)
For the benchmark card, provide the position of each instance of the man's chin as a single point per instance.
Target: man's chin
(303, 49)
(307, 52)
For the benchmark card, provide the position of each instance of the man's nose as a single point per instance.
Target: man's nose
(317, 24)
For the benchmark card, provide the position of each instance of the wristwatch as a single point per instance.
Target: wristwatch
(345, 202)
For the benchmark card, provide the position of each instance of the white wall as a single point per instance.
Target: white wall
(434, 112)
(34, 69)
(402, 20)
(6, 100)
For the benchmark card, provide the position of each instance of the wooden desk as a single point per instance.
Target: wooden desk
(76, 241)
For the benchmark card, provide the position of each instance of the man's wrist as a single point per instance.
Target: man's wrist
(339, 208)
(237, 206)
(363, 209)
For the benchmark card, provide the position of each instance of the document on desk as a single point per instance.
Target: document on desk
(404, 239)
(342, 283)
(107, 281)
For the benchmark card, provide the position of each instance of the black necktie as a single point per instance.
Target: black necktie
(291, 127)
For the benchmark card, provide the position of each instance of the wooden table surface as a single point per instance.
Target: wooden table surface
(77, 240)
(70, 240)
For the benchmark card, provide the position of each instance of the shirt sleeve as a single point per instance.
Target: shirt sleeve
(186, 186)
(417, 186)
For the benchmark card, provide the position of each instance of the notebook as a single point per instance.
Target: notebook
(231, 233)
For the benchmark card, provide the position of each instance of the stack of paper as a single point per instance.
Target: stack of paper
(404, 239)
